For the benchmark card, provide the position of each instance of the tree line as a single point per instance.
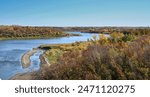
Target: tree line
(28, 32)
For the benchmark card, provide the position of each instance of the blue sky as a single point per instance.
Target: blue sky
(75, 12)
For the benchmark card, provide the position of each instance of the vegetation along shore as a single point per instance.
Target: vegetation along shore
(28, 32)
(123, 55)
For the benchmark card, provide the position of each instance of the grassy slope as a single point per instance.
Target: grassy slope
(56, 50)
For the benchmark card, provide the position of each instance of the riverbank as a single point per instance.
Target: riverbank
(23, 76)
(49, 57)
(37, 37)
(28, 32)
(30, 75)
(25, 60)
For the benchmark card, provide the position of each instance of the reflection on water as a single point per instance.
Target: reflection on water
(12, 50)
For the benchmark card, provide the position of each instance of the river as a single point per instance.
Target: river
(12, 50)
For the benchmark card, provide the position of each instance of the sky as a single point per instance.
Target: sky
(75, 12)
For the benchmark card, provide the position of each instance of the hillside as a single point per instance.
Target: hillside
(123, 56)
(26, 32)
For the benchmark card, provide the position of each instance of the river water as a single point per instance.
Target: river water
(12, 50)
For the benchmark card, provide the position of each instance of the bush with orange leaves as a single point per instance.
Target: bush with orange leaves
(105, 60)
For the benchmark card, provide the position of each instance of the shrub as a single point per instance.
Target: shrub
(116, 36)
(114, 60)
(128, 37)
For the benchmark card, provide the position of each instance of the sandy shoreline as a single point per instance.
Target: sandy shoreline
(30, 75)
(25, 60)
(23, 76)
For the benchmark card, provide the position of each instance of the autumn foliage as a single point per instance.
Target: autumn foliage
(121, 57)
(19, 32)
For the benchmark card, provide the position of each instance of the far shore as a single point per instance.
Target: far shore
(32, 38)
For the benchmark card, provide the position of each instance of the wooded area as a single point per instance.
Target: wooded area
(23, 32)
